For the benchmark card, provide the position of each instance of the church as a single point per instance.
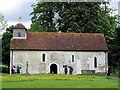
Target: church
(51, 52)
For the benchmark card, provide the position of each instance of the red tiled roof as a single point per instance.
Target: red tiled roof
(60, 41)
(19, 26)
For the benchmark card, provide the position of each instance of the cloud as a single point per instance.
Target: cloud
(6, 6)
(24, 11)
(115, 0)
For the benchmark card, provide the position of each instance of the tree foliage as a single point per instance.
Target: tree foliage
(3, 23)
(43, 13)
(73, 17)
(116, 49)
(6, 45)
(35, 27)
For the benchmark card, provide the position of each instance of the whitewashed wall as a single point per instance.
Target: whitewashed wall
(22, 33)
(83, 61)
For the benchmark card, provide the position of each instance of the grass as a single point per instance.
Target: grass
(58, 81)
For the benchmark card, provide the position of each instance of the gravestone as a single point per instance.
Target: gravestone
(118, 73)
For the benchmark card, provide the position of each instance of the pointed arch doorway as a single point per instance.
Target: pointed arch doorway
(53, 69)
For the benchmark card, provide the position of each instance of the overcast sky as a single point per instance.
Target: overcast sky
(12, 9)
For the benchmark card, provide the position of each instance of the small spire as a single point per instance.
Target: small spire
(19, 18)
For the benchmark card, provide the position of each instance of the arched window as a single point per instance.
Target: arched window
(73, 58)
(95, 62)
(43, 57)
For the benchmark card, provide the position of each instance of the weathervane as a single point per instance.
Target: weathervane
(19, 18)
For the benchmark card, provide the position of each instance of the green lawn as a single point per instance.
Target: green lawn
(58, 81)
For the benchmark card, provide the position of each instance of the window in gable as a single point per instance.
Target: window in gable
(19, 34)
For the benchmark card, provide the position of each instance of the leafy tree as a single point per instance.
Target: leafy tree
(3, 23)
(74, 17)
(35, 27)
(87, 18)
(43, 13)
(116, 50)
(6, 45)
(0, 52)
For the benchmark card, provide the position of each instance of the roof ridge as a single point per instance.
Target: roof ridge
(67, 33)
(19, 26)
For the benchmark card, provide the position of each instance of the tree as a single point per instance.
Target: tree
(3, 23)
(74, 17)
(43, 13)
(116, 50)
(87, 18)
(35, 27)
(6, 45)
(0, 52)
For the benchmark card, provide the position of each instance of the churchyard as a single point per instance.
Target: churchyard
(58, 81)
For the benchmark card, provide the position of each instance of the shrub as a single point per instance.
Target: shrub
(5, 69)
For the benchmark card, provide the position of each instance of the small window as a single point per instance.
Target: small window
(95, 62)
(73, 58)
(43, 57)
(19, 34)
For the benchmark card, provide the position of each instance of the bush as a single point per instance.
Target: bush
(5, 69)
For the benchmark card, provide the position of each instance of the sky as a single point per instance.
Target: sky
(12, 9)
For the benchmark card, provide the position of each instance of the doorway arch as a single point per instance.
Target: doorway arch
(53, 69)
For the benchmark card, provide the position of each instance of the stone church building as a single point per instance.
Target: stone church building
(50, 52)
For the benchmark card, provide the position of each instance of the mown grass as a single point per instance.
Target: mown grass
(58, 81)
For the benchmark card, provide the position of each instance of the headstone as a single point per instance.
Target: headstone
(118, 73)
(27, 68)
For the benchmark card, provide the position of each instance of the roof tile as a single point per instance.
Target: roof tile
(60, 41)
